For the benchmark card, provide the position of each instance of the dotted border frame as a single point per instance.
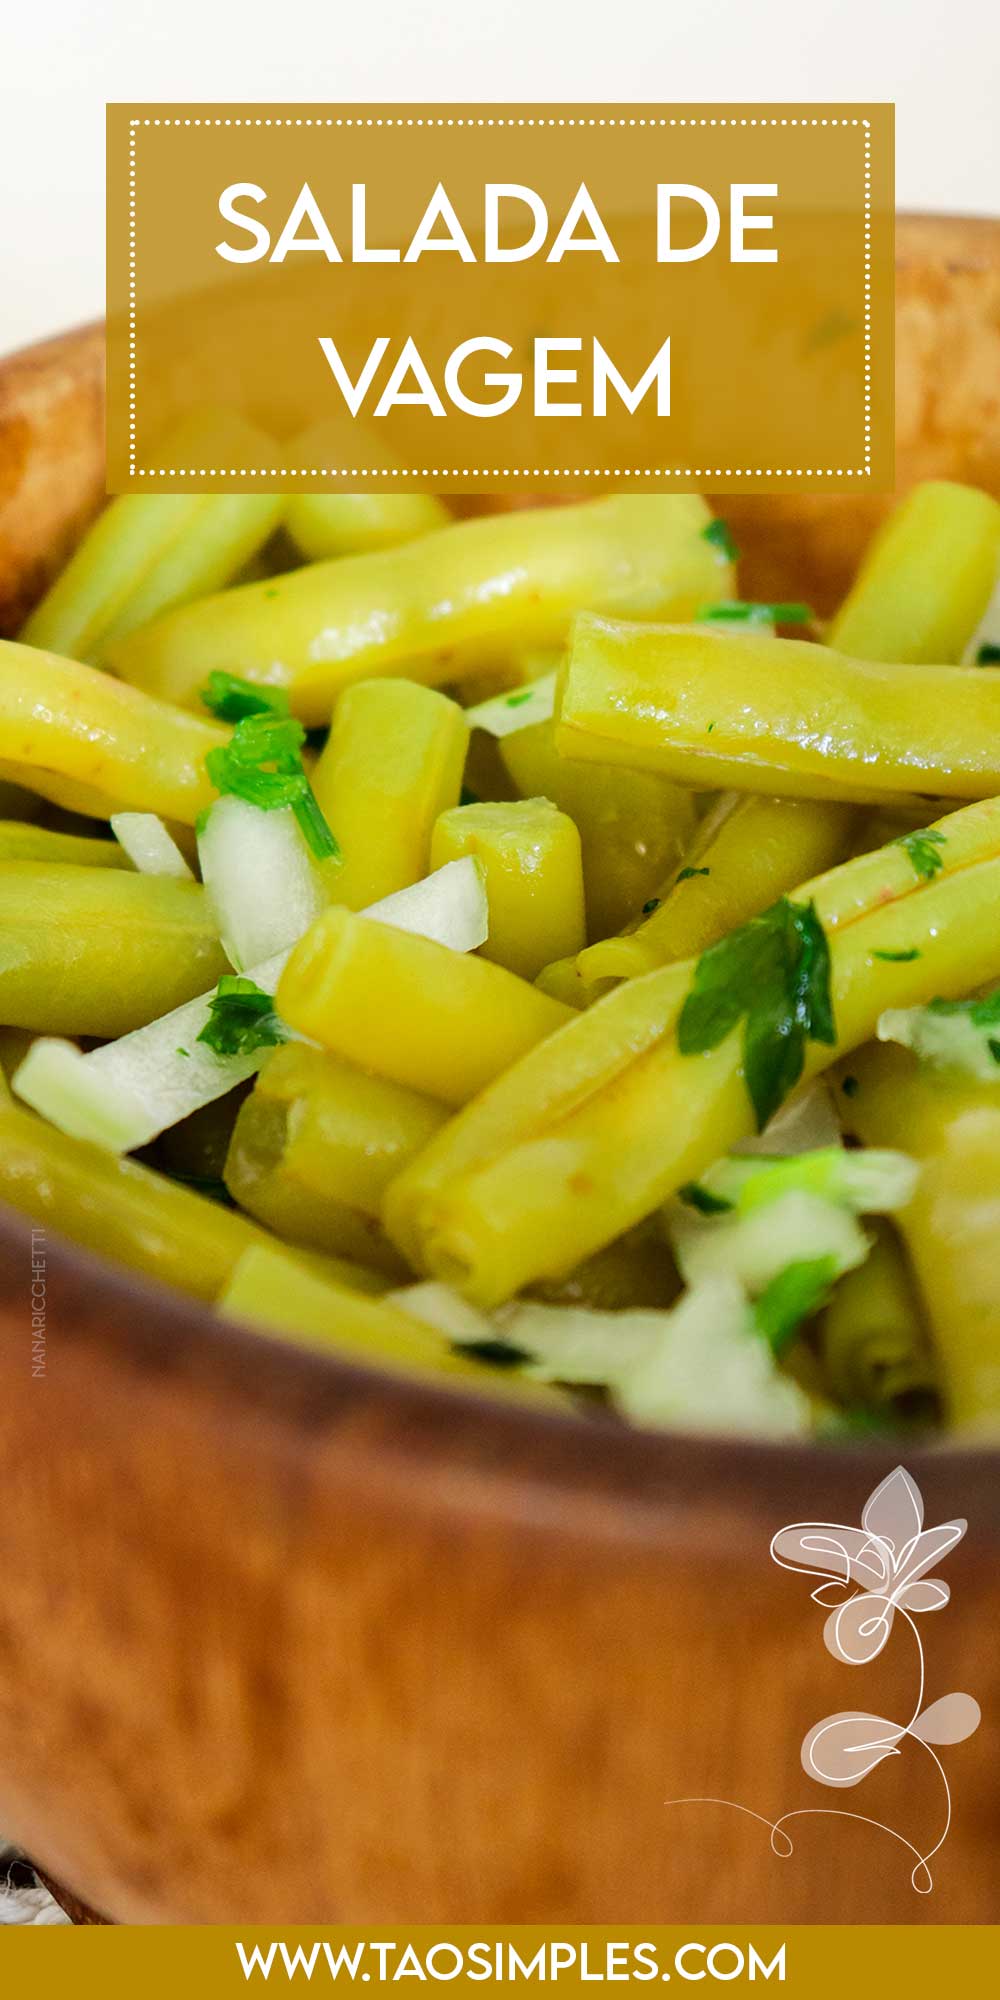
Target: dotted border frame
(500, 472)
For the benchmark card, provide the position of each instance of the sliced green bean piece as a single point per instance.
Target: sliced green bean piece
(511, 581)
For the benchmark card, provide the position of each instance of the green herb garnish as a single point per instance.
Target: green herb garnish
(699, 1197)
(499, 1352)
(923, 850)
(518, 699)
(233, 699)
(262, 763)
(988, 655)
(739, 613)
(794, 1295)
(774, 975)
(241, 1018)
(898, 957)
(467, 798)
(688, 874)
(653, 904)
(719, 534)
(850, 1086)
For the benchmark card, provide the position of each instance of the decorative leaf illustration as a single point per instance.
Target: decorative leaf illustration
(950, 1719)
(844, 1748)
(894, 1513)
(927, 1594)
(920, 1555)
(826, 1548)
(858, 1629)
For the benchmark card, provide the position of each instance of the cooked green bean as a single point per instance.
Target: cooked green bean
(21, 841)
(99, 951)
(60, 718)
(709, 707)
(149, 552)
(530, 853)
(315, 1146)
(634, 826)
(272, 1291)
(392, 762)
(503, 583)
(746, 853)
(872, 1336)
(119, 1208)
(926, 580)
(445, 1023)
(951, 1125)
(328, 523)
(565, 1152)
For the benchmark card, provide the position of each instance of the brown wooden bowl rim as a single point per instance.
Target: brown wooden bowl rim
(546, 1466)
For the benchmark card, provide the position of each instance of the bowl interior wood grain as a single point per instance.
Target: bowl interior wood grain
(285, 1640)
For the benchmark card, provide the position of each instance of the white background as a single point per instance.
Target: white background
(61, 59)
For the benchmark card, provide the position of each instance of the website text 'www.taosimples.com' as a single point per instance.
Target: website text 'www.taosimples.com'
(499, 1961)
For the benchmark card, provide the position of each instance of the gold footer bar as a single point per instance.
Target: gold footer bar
(184, 1962)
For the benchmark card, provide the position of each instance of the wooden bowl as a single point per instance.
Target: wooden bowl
(283, 1640)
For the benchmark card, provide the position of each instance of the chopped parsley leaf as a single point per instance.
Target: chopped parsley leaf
(262, 763)
(794, 1295)
(232, 698)
(499, 1352)
(467, 798)
(898, 957)
(719, 535)
(182, 1052)
(773, 974)
(688, 874)
(518, 699)
(653, 904)
(241, 1018)
(922, 848)
(696, 1196)
(739, 612)
(988, 655)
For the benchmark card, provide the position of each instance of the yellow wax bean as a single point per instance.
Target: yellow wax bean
(633, 826)
(872, 1337)
(315, 1145)
(327, 523)
(116, 1207)
(560, 1076)
(57, 717)
(505, 1195)
(952, 1225)
(536, 1094)
(562, 980)
(776, 715)
(274, 1292)
(505, 582)
(746, 854)
(99, 951)
(534, 877)
(926, 579)
(148, 552)
(392, 762)
(441, 1022)
(20, 841)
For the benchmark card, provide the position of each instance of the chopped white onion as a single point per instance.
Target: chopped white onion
(449, 906)
(262, 883)
(505, 714)
(149, 846)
